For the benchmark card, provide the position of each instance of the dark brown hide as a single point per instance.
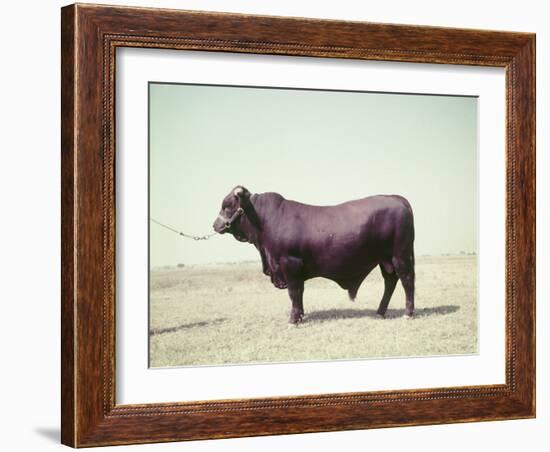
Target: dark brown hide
(343, 243)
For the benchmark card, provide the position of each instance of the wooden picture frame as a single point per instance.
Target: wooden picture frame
(90, 35)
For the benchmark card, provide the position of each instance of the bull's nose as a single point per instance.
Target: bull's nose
(217, 227)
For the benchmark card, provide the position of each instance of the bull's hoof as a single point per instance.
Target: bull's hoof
(409, 313)
(296, 318)
(380, 315)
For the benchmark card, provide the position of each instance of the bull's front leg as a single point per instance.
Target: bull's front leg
(292, 270)
(296, 293)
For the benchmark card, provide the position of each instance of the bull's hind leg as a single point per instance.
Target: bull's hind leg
(390, 281)
(404, 267)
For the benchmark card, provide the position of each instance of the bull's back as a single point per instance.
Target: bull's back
(347, 236)
(372, 218)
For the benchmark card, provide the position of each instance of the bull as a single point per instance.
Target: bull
(343, 243)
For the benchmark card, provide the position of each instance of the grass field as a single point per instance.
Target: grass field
(230, 313)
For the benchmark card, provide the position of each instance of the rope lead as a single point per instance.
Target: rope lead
(183, 234)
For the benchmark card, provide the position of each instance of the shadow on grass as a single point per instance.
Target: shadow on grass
(185, 326)
(339, 314)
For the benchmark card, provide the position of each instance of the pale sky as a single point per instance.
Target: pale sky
(317, 147)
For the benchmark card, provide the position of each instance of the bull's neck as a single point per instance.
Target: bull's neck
(262, 211)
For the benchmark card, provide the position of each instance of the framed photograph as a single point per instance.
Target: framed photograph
(280, 225)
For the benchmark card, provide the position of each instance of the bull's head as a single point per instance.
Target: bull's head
(233, 208)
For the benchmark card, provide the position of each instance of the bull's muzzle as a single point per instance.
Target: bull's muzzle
(219, 226)
(222, 223)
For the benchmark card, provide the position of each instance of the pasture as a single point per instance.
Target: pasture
(231, 314)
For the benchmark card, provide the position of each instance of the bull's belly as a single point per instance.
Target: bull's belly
(345, 273)
(344, 263)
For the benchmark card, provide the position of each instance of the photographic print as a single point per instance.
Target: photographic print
(292, 225)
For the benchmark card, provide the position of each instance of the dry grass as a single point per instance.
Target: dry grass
(220, 314)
